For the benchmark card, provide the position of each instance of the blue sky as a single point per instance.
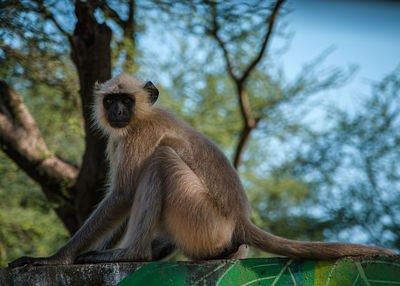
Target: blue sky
(362, 33)
(365, 33)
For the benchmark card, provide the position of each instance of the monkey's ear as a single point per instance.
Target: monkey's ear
(152, 90)
(97, 86)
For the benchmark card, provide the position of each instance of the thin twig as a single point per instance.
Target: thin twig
(271, 24)
(214, 33)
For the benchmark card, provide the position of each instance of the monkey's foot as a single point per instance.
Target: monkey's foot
(32, 261)
(109, 255)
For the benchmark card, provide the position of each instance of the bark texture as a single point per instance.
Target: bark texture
(91, 53)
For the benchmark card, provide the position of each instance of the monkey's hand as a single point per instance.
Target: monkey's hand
(32, 261)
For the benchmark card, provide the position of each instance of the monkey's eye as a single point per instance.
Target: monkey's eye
(127, 101)
(109, 101)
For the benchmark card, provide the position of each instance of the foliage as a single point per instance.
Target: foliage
(35, 61)
(28, 225)
(354, 168)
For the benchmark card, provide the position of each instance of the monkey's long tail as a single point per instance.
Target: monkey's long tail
(267, 242)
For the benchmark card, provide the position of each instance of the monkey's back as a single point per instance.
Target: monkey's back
(207, 161)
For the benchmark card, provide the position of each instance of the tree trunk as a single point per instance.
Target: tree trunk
(91, 53)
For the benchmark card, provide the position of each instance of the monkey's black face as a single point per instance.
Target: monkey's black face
(119, 109)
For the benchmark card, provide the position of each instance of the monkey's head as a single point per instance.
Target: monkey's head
(120, 101)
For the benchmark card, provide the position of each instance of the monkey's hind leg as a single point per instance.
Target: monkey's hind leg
(191, 217)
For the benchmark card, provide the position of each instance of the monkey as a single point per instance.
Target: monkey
(170, 188)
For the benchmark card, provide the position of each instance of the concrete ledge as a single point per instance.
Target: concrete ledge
(94, 274)
(377, 270)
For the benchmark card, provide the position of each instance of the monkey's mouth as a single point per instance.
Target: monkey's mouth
(119, 124)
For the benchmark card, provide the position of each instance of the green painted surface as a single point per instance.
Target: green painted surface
(270, 271)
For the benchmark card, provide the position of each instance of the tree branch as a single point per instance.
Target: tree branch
(128, 26)
(131, 14)
(249, 122)
(214, 33)
(47, 14)
(271, 22)
(112, 14)
(89, 43)
(243, 138)
(21, 140)
(109, 12)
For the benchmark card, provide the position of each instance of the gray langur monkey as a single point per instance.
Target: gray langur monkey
(170, 188)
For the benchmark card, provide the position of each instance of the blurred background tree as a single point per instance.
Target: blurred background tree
(353, 165)
(216, 69)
